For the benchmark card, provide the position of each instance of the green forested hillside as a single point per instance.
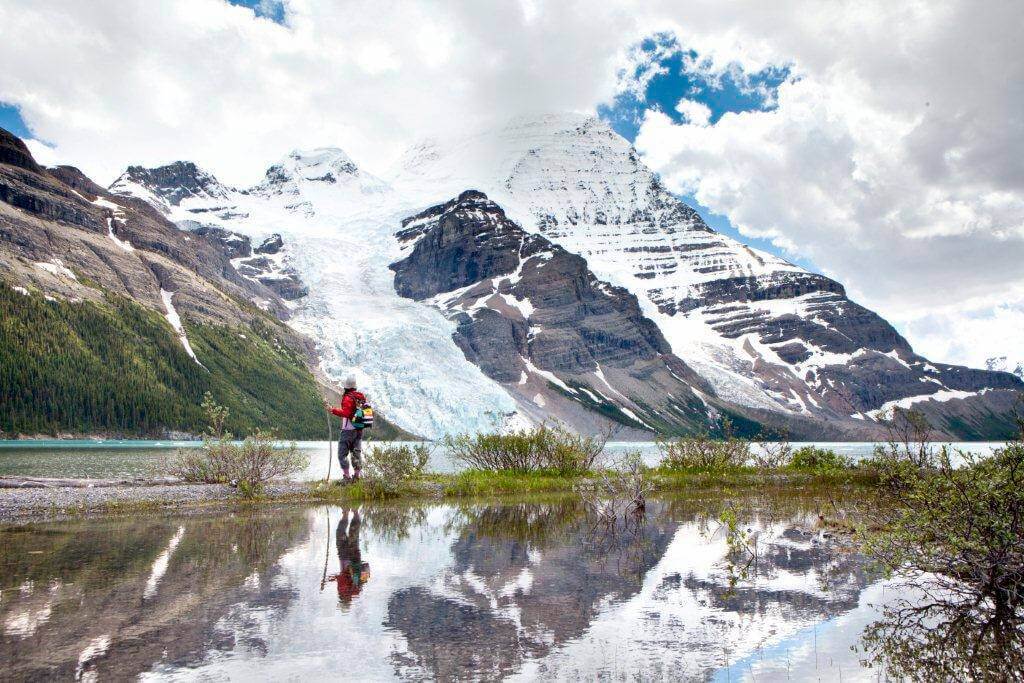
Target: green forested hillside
(118, 368)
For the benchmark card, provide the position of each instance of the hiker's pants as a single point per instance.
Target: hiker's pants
(351, 443)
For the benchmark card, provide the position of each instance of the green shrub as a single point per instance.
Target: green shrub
(703, 452)
(772, 455)
(387, 467)
(957, 537)
(528, 450)
(819, 459)
(249, 465)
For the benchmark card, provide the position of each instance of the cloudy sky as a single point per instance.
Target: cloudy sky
(879, 142)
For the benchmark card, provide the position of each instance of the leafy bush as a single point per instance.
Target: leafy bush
(772, 454)
(528, 450)
(819, 459)
(908, 453)
(957, 537)
(387, 467)
(248, 465)
(909, 441)
(703, 452)
(624, 483)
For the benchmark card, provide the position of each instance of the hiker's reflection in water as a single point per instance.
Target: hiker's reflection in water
(353, 572)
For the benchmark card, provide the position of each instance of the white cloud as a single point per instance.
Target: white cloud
(893, 161)
(694, 112)
(972, 335)
(113, 83)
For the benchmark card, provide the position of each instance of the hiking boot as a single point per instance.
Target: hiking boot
(357, 475)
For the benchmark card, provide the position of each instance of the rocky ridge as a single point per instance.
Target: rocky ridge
(90, 265)
(535, 319)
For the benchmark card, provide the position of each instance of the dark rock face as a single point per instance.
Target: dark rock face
(76, 180)
(528, 310)
(289, 287)
(233, 244)
(266, 265)
(13, 152)
(780, 285)
(175, 181)
(271, 245)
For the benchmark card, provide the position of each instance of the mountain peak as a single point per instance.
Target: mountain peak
(320, 164)
(14, 152)
(168, 185)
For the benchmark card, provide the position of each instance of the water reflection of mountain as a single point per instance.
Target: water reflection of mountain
(546, 590)
(110, 600)
(538, 590)
(523, 578)
(833, 580)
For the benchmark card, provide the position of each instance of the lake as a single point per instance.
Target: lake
(522, 591)
(116, 459)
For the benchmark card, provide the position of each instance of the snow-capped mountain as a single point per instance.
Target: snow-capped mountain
(762, 338)
(1005, 364)
(167, 186)
(766, 334)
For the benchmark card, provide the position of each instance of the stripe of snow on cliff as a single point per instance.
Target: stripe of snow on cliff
(118, 215)
(175, 320)
(940, 396)
(549, 376)
(124, 244)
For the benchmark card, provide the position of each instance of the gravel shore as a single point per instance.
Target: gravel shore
(48, 503)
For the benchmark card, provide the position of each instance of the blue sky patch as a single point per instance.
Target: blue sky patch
(665, 72)
(10, 119)
(269, 9)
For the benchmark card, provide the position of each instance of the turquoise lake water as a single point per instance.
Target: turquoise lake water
(116, 459)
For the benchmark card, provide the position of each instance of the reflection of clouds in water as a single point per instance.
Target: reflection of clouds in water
(33, 608)
(475, 591)
(161, 563)
(686, 621)
(98, 624)
(820, 651)
(97, 647)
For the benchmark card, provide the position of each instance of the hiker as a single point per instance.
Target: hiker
(353, 573)
(350, 443)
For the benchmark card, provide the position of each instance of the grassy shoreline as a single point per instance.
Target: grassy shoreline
(467, 485)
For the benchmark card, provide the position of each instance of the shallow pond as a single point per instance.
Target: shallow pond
(116, 459)
(541, 589)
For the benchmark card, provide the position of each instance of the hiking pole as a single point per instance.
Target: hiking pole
(330, 446)
(327, 553)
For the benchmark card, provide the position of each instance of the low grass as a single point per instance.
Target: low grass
(487, 483)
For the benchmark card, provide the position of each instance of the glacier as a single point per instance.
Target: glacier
(338, 226)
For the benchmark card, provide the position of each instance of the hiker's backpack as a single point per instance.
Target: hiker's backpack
(363, 418)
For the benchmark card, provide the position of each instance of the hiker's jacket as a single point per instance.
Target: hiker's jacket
(349, 403)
